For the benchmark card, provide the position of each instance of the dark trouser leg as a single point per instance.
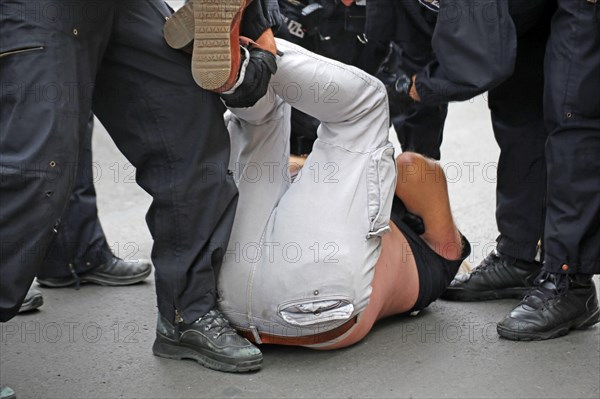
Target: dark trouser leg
(419, 128)
(559, 303)
(80, 241)
(44, 109)
(517, 118)
(572, 109)
(173, 133)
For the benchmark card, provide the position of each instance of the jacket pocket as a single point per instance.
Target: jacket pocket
(309, 312)
(381, 183)
(20, 50)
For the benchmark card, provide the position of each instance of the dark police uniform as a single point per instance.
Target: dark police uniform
(459, 49)
(80, 243)
(58, 61)
(332, 30)
(572, 110)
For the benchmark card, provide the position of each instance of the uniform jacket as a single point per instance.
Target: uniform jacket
(473, 43)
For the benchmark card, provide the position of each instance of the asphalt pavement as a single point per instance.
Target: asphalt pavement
(96, 342)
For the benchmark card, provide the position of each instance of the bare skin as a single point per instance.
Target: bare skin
(421, 185)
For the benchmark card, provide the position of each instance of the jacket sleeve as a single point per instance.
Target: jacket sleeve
(259, 16)
(475, 47)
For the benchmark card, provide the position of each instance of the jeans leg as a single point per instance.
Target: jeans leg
(173, 133)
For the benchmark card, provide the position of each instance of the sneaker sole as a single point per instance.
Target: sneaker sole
(98, 279)
(216, 55)
(34, 303)
(473, 296)
(164, 348)
(580, 323)
(179, 28)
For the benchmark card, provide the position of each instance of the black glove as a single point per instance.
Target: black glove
(261, 66)
(259, 16)
(397, 82)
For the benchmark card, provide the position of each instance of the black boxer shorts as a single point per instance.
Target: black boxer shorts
(435, 272)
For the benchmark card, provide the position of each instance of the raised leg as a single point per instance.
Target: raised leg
(422, 186)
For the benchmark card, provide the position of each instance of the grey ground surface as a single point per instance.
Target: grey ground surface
(96, 342)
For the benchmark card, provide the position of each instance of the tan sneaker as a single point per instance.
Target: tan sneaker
(210, 30)
(214, 28)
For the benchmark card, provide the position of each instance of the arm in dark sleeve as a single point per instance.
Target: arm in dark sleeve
(259, 16)
(475, 47)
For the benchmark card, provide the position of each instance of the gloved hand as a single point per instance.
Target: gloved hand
(257, 75)
(397, 82)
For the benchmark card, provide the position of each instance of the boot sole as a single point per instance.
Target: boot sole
(106, 281)
(472, 296)
(216, 53)
(580, 323)
(165, 348)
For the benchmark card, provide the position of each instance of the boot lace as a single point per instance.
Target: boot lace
(486, 263)
(216, 323)
(546, 287)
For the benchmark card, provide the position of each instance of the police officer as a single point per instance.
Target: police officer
(327, 28)
(564, 297)
(60, 60)
(467, 48)
(80, 252)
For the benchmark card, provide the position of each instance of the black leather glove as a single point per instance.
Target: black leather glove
(261, 66)
(259, 16)
(397, 82)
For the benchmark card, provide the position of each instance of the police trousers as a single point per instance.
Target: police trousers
(572, 110)
(59, 60)
(80, 244)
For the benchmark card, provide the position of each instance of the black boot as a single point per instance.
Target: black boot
(557, 304)
(115, 272)
(497, 277)
(210, 341)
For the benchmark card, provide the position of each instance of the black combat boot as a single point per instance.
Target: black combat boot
(497, 277)
(210, 341)
(557, 304)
